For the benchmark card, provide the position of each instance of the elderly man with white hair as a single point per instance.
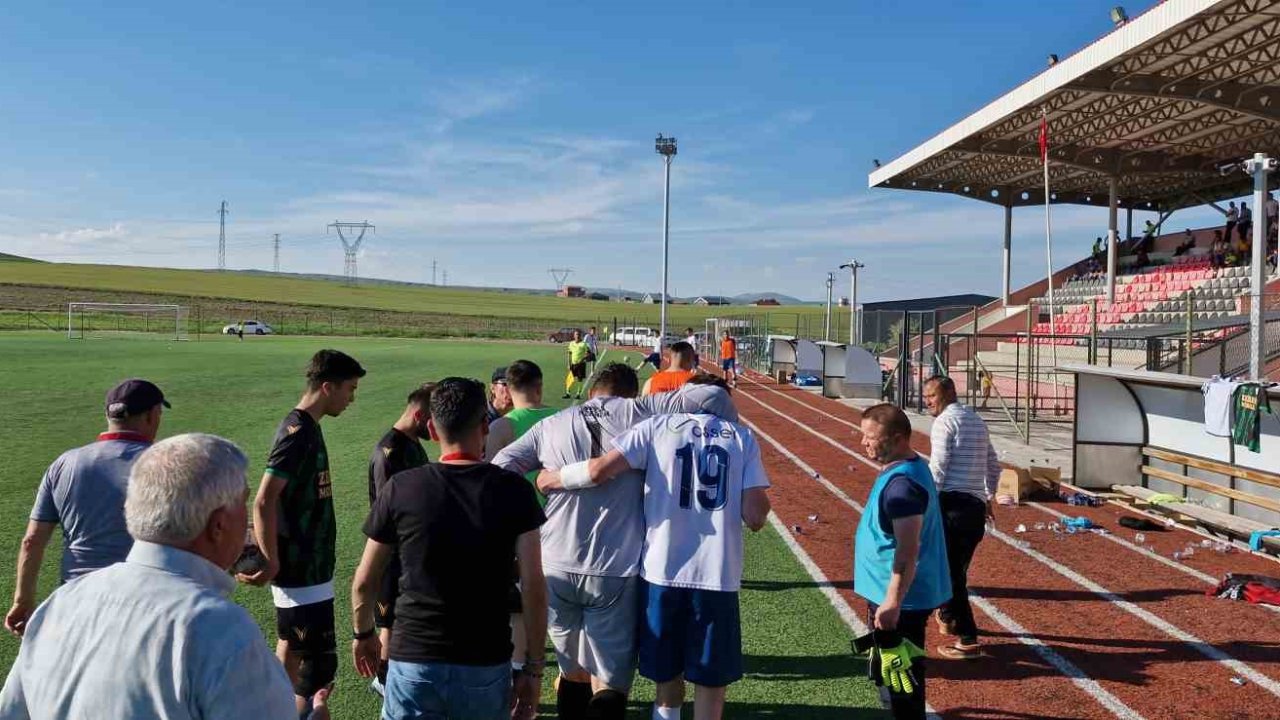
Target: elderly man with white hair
(155, 636)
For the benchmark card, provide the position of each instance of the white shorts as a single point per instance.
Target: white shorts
(592, 623)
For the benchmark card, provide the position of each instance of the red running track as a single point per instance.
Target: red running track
(1074, 627)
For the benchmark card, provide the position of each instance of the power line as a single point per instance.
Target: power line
(560, 275)
(222, 236)
(351, 246)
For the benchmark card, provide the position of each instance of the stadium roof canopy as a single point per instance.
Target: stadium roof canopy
(1158, 104)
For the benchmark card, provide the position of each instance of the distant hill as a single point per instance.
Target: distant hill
(6, 257)
(748, 298)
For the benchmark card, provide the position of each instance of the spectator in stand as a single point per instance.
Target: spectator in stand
(1218, 251)
(1233, 216)
(1272, 214)
(1099, 250)
(1245, 225)
(986, 383)
(1143, 258)
(1241, 252)
(1188, 242)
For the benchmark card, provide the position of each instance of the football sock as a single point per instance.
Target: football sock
(571, 699)
(665, 713)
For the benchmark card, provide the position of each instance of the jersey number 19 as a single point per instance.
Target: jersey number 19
(713, 474)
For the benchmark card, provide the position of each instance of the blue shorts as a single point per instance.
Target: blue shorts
(696, 633)
(727, 364)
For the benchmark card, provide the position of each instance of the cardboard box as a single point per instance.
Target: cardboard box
(1023, 484)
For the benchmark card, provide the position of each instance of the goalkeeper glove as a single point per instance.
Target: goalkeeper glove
(896, 655)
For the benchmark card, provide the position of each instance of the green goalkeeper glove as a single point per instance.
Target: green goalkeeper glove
(895, 664)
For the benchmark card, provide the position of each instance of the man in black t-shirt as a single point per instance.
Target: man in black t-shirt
(399, 450)
(296, 530)
(457, 526)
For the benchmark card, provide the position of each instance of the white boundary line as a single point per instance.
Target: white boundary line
(1146, 616)
(1051, 656)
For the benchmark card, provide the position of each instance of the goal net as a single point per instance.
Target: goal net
(97, 320)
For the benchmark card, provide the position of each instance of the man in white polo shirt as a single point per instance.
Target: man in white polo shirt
(966, 471)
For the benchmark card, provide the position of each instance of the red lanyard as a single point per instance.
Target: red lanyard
(448, 457)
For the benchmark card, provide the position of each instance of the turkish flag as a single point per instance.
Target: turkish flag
(1044, 138)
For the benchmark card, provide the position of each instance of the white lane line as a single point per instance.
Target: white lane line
(808, 406)
(1164, 626)
(1203, 577)
(1051, 656)
(842, 606)
(1200, 646)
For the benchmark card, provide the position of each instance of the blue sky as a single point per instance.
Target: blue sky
(503, 139)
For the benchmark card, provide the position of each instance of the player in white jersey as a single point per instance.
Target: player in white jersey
(703, 480)
(592, 540)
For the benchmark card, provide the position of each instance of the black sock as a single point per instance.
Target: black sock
(571, 699)
(607, 705)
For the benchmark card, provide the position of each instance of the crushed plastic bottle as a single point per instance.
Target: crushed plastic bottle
(1024, 544)
(796, 529)
(1188, 551)
(813, 518)
(1239, 681)
(1039, 526)
(1140, 538)
(1206, 543)
(1020, 529)
(1177, 554)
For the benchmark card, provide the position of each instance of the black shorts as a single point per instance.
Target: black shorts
(307, 628)
(579, 370)
(591, 357)
(384, 612)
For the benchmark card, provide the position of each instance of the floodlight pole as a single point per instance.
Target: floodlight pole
(1260, 166)
(855, 326)
(666, 147)
(826, 324)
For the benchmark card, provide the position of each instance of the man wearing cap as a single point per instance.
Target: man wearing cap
(84, 491)
(499, 396)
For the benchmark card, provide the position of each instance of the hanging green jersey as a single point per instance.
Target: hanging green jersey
(1249, 403)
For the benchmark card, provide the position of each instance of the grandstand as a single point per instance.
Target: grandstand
(1171, 110)
(1157, 115)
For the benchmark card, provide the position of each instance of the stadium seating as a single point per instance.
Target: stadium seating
(1152, 295)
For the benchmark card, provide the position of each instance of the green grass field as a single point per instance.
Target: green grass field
(796, 647)
(314, 292)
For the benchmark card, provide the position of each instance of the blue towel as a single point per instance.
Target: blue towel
(1255, 538)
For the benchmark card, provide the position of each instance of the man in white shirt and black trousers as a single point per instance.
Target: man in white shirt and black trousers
(966, 471)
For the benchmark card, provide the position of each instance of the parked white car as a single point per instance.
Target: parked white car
(251, 327)
(641, 336)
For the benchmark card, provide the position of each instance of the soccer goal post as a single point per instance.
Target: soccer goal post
(94, 320)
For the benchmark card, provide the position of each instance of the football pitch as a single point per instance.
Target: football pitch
(796, 648)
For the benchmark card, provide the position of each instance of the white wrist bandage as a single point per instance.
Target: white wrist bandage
(576, 476)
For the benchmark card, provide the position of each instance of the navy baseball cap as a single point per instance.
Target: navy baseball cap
(133, 397)
(499, 375)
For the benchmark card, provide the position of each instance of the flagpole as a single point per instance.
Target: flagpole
(1048, 241)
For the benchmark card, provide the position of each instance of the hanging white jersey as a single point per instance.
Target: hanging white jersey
(697, 468)
(1217, 405)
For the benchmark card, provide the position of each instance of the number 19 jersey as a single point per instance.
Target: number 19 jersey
(697, 468)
